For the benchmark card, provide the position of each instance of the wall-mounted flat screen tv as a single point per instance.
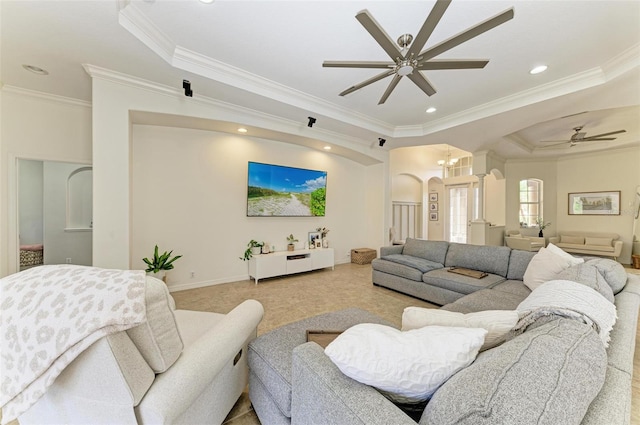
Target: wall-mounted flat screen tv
(279, 191)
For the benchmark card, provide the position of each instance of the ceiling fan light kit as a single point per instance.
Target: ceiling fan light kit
(408, 60)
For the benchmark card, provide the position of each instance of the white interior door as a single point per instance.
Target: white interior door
(460, 206)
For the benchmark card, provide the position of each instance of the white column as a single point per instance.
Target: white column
(480, 212)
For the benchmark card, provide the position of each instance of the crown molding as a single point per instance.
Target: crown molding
(139, 25)
(45, 96)
(252, 117)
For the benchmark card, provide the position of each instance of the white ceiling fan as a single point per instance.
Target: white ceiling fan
(408, 60)
(581, 137)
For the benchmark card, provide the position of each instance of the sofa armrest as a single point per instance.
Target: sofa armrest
(321, 394)
(389, 250)
(554, 240)
(617, 248)
(174, 391)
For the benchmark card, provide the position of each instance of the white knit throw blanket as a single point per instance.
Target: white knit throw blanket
(49, 315)
(568, 299)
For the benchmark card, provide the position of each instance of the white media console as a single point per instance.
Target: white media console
(287, 262)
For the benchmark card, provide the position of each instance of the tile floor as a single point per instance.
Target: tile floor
(292, 298)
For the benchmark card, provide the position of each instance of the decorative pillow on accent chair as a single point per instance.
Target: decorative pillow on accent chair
(158, 338)
(407, 366)
(498, 323)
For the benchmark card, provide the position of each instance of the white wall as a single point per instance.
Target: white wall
(189, 195)
(604, 171)
(30, 197)
(35, 126)
(61, 244)
(494, 200)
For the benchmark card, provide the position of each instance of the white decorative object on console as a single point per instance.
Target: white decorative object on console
(287, 262)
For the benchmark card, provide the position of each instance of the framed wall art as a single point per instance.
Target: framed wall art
(433, 216)
(433, 206)
(594, 203)
(433, 197)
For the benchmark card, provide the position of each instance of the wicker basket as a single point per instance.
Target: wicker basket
(363, 255)
(636, 261)
(30, 258)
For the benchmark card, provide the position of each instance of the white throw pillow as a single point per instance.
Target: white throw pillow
(564, 254)
(545, 265)
(409, 366)
(497, 322)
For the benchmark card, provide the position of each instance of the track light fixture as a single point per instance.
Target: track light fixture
(312, 121)
(186, 85)
(381, 141)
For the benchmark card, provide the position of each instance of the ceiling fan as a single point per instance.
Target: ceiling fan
(407, 59)
(580, 137)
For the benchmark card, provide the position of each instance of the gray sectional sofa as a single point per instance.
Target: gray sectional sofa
(557, 372)
(420, 268)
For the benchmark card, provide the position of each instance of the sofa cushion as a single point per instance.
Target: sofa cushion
(461, 284)
(576, 240)
(582, 247)
(435, 251)
(518, 262)
(158, 338)
(497, 322)
(548, 375)
(396, 269)
(516, 287)
(564, 254)
(415, 262)
(490, 259)
(407, 366)
(485, 299)
(588, 275)
(598, 241)
(612, 271)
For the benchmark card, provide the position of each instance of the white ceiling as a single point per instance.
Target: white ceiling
(267, 55)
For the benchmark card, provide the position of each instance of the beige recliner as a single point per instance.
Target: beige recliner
(180, 367)
(515, 240)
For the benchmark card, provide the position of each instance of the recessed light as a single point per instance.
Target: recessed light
(35, 69)
(327, 148)
(431, 110)
(242, 130)
(207, 1)
(538, 69)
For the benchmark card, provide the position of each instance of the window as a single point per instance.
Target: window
(530, 202)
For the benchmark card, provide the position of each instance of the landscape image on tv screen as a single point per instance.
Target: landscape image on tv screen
(279, 191)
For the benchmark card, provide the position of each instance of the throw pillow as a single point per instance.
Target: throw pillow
(544, 266)
(612, 271)
(562, 253)
(598, 241)
(575, 240)
(408, 366)
(498, 323)
(158, 338)
(587, 274)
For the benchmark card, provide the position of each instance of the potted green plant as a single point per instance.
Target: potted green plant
(160, 263)
(542, 225)
(253, 247)
(291, 241)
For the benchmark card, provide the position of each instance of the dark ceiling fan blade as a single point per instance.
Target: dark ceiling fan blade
(367, 82)
(378, 34)
(466, 35)
(427, 28)
(422, 82)
(451, 64)
(604, 134)
(392, 85)
(357, 64)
